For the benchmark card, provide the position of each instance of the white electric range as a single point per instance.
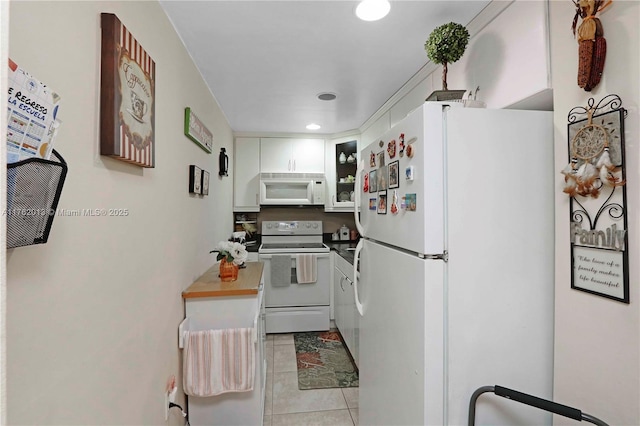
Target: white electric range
(291, 306)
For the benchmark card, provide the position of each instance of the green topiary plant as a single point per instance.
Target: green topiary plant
(445, 45)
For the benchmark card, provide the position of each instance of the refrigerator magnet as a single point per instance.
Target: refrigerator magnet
(382, 178)
(403, 203)
(394, 180)
(408, 173)
(410, 151)
(373, 204)
(382, 202)
(410, 200)
(401, 145)
(394, 203)
(373, 181)
(372, 160)
(391, 148)
(365, 185)
(381, 159)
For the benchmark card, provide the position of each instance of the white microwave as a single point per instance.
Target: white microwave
(291, 189)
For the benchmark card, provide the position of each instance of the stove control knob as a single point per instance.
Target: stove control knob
(315, 226)
(269, 226)
(308, 225)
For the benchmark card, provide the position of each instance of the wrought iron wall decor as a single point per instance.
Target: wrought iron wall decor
(595, 181)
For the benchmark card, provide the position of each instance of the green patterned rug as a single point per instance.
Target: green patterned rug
(323, 361)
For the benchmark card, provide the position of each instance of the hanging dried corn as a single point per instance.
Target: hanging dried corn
(592, 46)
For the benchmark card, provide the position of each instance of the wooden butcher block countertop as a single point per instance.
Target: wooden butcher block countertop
(209, 284)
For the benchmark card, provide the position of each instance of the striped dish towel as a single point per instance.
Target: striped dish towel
(218, 361)
(306, 268)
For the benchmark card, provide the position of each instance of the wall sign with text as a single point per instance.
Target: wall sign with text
(595, 181)
(195, 130)
(127, 96)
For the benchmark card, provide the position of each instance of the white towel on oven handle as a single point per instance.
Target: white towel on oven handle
(306, 268)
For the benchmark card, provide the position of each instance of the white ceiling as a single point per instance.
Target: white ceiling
(266, 61)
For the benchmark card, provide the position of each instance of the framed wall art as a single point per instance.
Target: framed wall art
(205, 182)
(195, 130)
(595, 182)
(127, 96)
(195, 179)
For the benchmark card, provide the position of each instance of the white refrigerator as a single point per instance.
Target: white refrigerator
(456, 283)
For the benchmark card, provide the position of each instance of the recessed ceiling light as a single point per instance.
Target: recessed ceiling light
(372, 10)
(312, 126)
(327, 96)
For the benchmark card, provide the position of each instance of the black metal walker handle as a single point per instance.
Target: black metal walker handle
(534, 401)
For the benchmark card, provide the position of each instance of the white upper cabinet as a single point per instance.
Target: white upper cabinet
(341, 159)
(284, 155)
(246, 175)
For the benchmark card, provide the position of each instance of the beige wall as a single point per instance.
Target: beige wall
(597, 341)
(92, 315)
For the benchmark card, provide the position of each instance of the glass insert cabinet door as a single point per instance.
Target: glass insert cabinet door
(346, 164)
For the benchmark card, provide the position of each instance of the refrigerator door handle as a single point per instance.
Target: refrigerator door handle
(356, 260)
(356, 200)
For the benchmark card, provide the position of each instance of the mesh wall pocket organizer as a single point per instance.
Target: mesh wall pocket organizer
(33, 191)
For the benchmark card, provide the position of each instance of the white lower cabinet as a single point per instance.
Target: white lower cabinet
(345, 312)
(241, 408)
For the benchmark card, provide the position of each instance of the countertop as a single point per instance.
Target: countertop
(209, 284)
(341, 247)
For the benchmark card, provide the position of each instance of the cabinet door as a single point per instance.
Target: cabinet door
(246, 175)
(275, 155)
(307, 155)
(337, 168)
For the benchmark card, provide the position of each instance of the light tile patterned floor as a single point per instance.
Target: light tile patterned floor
(286, 405)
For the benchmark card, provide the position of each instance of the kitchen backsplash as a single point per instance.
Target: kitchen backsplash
(331, 222)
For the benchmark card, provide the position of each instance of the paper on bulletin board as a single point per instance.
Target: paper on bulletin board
(31, 124)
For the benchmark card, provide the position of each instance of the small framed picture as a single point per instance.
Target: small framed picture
(382, 178)
(394, 182)
(381, 159)
(205, 182)
(373, 181)
(195, 179)
(382, 202)
(373, 204)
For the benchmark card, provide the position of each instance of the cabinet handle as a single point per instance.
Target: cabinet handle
(341, 279)
(333, 200)
(257, 200)
(289, 166)
(294, 165)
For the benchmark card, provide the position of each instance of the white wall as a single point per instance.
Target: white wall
(597, 357)
(92, 315)
(507, 57)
